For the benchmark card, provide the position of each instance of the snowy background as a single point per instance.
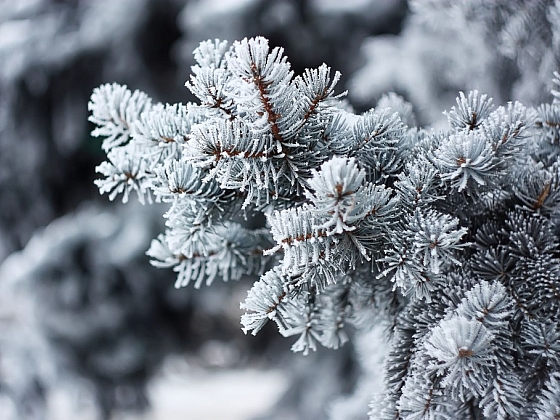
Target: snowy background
(88, 329)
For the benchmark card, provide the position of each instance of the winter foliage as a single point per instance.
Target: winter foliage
(449, 237)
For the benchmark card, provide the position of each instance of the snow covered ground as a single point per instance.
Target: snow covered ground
(227, 395)
(195, 395)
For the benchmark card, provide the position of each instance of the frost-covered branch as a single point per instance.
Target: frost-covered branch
(449, 237)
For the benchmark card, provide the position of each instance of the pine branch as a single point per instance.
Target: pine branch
(449, 237)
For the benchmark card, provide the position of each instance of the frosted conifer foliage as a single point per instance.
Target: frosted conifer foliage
(449, 237)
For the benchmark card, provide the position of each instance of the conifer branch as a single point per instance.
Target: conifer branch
(450, 237)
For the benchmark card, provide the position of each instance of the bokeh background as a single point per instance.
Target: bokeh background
(88, 329)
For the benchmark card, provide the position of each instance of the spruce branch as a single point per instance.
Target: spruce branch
(115, 109)
(449, 237)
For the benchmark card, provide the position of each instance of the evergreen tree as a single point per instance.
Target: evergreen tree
(505, 48)
(450, 237)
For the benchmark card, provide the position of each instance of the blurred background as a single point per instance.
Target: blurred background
(88, 329)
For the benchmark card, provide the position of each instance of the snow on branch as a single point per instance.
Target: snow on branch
(449, 236)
